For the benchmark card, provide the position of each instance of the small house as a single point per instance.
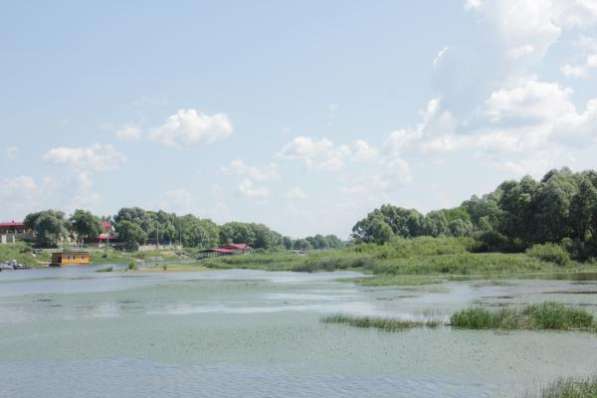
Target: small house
(70, 258)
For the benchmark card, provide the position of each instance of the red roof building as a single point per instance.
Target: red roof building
(12, 226)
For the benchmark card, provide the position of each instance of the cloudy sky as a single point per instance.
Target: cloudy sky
(302, 115)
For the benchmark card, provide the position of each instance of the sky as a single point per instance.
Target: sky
(301, 115)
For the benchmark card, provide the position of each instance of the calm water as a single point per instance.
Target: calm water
(77, 333)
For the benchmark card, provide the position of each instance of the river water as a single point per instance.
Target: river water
(77, 333)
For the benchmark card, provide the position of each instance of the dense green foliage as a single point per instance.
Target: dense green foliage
(561, 208)
(85, 225)
(549, 315)
(49, 226)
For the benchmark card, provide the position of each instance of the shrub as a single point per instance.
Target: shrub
(132, 265)
(550, 252)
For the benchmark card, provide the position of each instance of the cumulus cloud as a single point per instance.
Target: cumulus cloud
(191, 127)
(128, 133)
(362, 151)
(240, 168)
(248, 189)
(324, 154)
(530, 27)
(94, 158)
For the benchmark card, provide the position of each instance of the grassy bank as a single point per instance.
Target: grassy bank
(23, 254)
(571, 388)
(411, 262)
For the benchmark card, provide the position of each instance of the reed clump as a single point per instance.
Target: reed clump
(385, 324)
(545, 316)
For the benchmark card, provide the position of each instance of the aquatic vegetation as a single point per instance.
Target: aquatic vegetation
(571, 388)
(385, 324)
(545, 316)
(109, 269)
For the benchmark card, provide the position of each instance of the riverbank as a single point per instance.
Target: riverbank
(414, 262)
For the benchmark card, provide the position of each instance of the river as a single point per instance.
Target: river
(75, 332)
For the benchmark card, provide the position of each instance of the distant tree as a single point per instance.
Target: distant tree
(381, 232)
(302, 244)
(582, 208)
(460, 227)
(85, 225)
(237, 232)
(49, 227)
(287, 242)
(130, 234)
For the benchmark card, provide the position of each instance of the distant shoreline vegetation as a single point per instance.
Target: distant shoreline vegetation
(524, 228)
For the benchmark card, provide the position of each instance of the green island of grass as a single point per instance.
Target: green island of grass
(544, 316)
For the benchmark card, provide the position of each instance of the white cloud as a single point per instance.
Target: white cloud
(296, 193)
(530, 27)
(248, 189)
(574, 71)
(128, 133)
(435, 122)
(439, 56)
(362, 151)
(240, 168)
(473, 4)
(93, 158)
(530, 102)
(324, 154)
(191, 127)
(12, 152)
(320, 153)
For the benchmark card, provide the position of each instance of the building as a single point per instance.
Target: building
(70, 258)
(226, 250)
(108, 234)
(10, 231)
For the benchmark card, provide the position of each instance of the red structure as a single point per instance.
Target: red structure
(11, 230)
(107, 234)
(226, 250)
(12, 227)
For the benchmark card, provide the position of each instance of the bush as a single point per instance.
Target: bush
(132, 265)
(550, 252)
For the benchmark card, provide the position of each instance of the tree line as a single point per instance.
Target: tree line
(135, 226)
(559, 208)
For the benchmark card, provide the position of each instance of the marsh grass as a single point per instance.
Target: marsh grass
(545, 316)
(385, 324)
(571, 388)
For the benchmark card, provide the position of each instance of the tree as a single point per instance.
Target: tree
(85, 225)
(130, 234)
(49, 227)
(381, 232)
(581, 209)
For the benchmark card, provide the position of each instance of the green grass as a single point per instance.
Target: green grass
(415, 261)
(571, 388)
(387, 325)
(545, 316)
(23, 254)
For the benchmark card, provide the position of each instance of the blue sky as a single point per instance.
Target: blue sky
(301, 115)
